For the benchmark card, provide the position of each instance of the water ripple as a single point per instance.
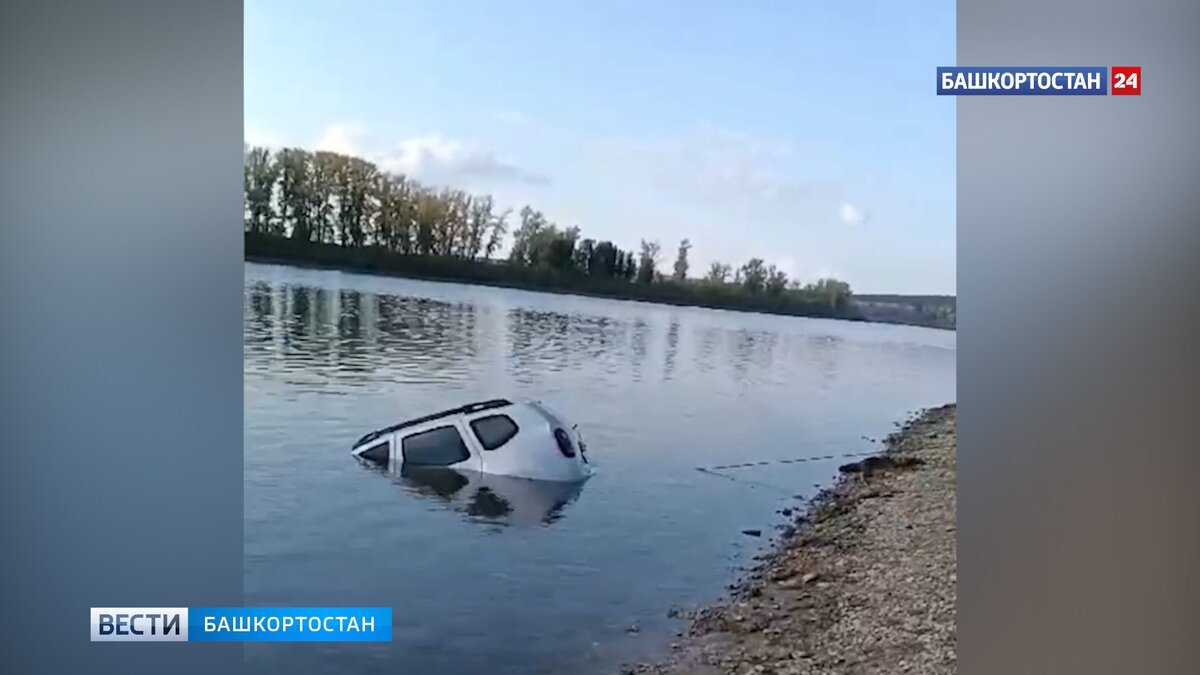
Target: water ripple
(527, 579)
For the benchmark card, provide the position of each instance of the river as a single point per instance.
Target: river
(503, 581)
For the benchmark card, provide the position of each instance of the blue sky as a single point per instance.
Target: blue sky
(805, 133)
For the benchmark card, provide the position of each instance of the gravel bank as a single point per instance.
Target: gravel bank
(865, 585)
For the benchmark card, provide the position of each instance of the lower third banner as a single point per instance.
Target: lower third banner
(289, 624)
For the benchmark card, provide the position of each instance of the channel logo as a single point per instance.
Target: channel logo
(1038, 81)
(241, 624)
(139, 624)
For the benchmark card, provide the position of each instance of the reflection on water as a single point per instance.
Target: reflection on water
(487, 498)
(358, 338)
(531, 578)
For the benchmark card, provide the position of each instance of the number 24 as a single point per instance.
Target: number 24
(1123, 81)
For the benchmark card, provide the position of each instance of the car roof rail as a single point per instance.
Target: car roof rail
(478, 406)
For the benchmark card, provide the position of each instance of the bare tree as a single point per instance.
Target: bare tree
(648, 263)
(681, 261)
(718, 273)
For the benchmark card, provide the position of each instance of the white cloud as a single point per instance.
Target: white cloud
(851, 214)
(434, 159)
(347, 138)
(444, 160)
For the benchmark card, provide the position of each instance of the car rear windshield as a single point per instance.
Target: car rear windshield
(494, 431)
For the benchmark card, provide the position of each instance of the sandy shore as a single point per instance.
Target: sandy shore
(865, 585)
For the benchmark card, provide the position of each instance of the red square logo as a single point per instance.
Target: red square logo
(1126, 81)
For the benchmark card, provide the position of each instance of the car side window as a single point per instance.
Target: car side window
(494, 431)
(442, 446)
(379, 453)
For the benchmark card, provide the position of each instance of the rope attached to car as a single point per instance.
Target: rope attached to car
(716, 470)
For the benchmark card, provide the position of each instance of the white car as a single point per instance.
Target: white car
(499, 437)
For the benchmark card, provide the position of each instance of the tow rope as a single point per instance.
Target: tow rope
(716, 470)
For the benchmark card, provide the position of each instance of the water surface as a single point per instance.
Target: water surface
(495, 577)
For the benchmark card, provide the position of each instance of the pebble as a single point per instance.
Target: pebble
(884, 601)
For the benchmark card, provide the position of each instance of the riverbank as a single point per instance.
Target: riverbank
(866, 583)
(534, 287)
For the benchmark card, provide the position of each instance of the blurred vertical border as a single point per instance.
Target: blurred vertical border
(1078, 233)
(120, 337)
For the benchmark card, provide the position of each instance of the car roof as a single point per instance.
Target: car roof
(461, 410)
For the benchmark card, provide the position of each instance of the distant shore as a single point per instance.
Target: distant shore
(518, 285)
(865, 584)
(417, 268)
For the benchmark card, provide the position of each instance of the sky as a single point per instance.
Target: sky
(804, 133)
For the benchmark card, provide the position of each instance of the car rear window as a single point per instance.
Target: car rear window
(442, 446)
(494, 431)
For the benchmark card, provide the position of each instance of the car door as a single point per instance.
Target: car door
(490, 434)
(476, 462)
(440, 444)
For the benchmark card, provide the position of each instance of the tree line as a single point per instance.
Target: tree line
(329, 209)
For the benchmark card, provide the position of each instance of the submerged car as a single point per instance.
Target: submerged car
(499, 437)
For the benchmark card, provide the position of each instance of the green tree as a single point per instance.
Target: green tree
(606, 260)
(323, 184)
(360, 216)
(428, 214)
(354, 207)
(259, 175)
(531, 226)
(452, 229)
(394, 213)
(559, 247)
(583, 255)
(835, 293)
(753, 275)
(776, 281)
(294, 201)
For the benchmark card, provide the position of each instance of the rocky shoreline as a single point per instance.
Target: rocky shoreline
(865, 582)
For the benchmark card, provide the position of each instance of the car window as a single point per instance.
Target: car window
(380, 452)
(494, 431)
(442, 446)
